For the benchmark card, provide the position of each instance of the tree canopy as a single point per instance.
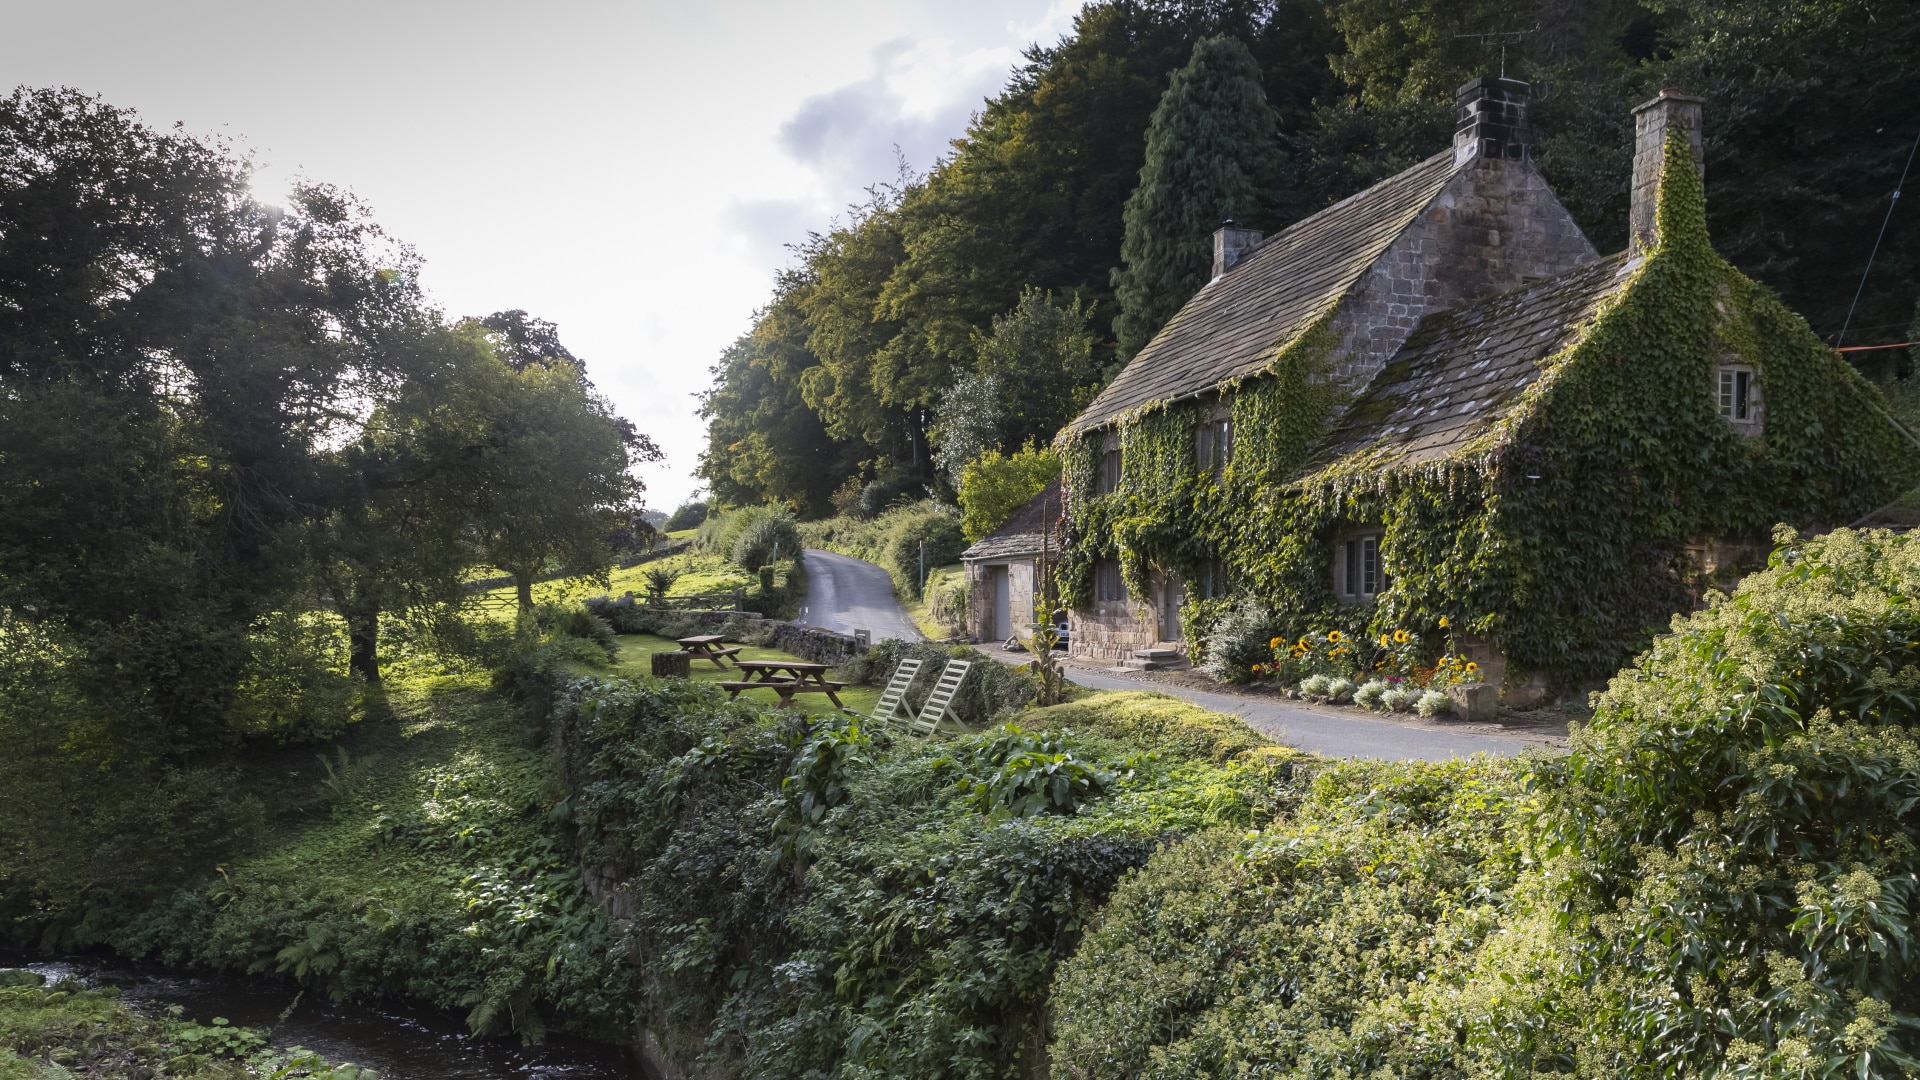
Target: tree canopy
(849, 374)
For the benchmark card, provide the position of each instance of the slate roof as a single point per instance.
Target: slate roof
(1021, 533)
(1462, 370)
(1235, 324)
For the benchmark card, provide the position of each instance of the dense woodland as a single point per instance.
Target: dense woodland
(975, 307)
(239, 452)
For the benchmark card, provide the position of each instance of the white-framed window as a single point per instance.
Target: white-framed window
(1108, 480)
(1108, 585)
(1212, 442)
(1736, 394)
(1358, 573)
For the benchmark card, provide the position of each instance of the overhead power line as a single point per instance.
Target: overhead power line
(1891, 203)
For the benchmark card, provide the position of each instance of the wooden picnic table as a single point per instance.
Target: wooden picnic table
(707, 647)
(786, 678)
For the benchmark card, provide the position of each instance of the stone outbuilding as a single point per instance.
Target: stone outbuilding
(1434, 406)
(1001, 569)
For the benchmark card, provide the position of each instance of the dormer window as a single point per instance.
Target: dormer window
(1213, 441)
(1737, 395)
(1358, 574)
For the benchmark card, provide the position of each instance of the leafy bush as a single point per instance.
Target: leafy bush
(1239, 639)
(688, 515)
(1151, 721)
(1432, 703)
(765, 537)
(296, 686)
(1023, 774)
(994, 485)
(935, 527)
(1369, 694)
(916, 932)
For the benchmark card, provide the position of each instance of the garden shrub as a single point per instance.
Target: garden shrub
(296, 687)
(765, 537)
(1241, 637)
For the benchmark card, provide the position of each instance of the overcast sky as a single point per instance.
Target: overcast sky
(630, 171)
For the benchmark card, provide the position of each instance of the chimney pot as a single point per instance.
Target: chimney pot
(1491, 120)
(1230, 245)
(1671, 109)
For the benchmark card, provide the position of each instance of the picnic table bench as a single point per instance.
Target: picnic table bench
(785, 678)
(707, 647)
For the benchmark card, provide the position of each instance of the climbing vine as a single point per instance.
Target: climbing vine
(1561, 534)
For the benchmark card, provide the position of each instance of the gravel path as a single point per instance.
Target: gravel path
(848, 594)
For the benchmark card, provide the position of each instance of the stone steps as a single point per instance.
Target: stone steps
(1155, 660)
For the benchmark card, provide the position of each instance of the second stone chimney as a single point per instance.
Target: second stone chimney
(1670, 111)
(1230, 245)
(1491, 120)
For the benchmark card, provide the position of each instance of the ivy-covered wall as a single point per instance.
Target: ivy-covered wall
(1561, 534)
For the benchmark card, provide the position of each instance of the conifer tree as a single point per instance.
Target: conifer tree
(1211, 146)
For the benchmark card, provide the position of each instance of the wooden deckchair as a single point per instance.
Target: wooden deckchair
(940, 702)
(886, 711)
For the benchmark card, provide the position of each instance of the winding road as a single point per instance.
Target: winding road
(847, 594)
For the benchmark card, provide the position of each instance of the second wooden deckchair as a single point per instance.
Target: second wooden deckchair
(940, 701)
(886, 711)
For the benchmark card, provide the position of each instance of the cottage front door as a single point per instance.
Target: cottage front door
(1001, 620)
(1173, 593)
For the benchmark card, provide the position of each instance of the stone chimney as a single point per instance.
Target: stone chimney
(1230, 245)
(1671, 110)
(1491, 120)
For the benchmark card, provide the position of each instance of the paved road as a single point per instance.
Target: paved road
(1321, 732)
(848, 594)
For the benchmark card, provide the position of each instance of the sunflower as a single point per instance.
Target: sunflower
(1400, 637)
(1298, 650)
(1383, 641)
(1274, 644)
(1472, 667)
(1336, 636)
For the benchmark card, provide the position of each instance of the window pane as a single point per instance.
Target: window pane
(1726, 394)
(1742, 389)
(1370, 566)
(1350, 575)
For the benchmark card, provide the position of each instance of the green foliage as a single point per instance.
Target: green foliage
(66, 1030)
(1239, 638)
(764, 538)
(1560, 536)
(917, 937)
(994, 485)
(1016, 773)
(1033, 373)
(1211, 149)
(893, 540)
(688, 515)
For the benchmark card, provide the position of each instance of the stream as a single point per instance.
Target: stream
(402, 1042)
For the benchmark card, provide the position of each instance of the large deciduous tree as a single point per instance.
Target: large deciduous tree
(1212, 147)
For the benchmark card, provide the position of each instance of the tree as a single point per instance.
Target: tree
(525, 341)
(1033, 372)
(1211, 149)
(551, 473)
(994, 485)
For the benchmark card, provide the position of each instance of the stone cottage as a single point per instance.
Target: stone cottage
(1436, 400)
(1000, 569)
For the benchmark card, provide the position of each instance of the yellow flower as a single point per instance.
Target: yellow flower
(1383, 640)
(1335, 636)
(1472, 667)
(1274, 644)
(1400, 637)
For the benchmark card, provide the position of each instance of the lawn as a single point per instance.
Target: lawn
(635, 650)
